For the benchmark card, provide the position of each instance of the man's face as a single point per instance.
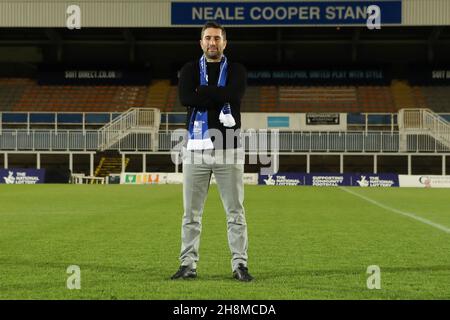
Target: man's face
(213, 43)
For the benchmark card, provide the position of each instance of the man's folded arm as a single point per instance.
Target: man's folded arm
(187, 92)
(232, 92)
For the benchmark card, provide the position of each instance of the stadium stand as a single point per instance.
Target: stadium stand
(268, 98)
(173, 102)
(436, 98)
(419, 96)
(403, 95)
(11, 91)
(250, 102)
(26, 95)
(158, 94)
(34, 97)
(375, 99)
(307, 99)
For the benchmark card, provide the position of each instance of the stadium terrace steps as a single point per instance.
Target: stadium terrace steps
(326, 99)
(250, 102)
(437, 98)
(375, 99)
(80, 98)
(268, 99)
(110, 165)
(159, 95)
(403, 95)
(321, 99)
(27, 95)
(419, 97)
(11, 91)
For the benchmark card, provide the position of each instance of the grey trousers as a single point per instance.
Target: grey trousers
(197, 170)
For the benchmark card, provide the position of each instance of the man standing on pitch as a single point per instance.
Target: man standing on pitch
(212, 88)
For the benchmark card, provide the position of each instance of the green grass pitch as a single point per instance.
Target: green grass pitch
(304, 243)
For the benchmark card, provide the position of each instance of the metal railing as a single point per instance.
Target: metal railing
(135, 120)
(90, 120)
(424, 121)
(162, 141)
(49, 140)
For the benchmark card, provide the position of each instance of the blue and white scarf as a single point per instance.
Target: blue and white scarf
(199, 138)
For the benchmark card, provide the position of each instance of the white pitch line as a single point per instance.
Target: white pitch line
(406, 214)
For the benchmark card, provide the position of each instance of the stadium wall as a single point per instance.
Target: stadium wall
(294, 121)
(303, 179)
(318, 162)
(159, 13)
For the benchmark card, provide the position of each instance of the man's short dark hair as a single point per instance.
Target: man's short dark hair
(215, 25)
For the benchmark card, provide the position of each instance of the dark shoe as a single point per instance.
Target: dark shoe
(185, 272)
(241, 273)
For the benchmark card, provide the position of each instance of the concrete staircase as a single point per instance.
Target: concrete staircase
(135, 120)
(422, 122)
(110, 165)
